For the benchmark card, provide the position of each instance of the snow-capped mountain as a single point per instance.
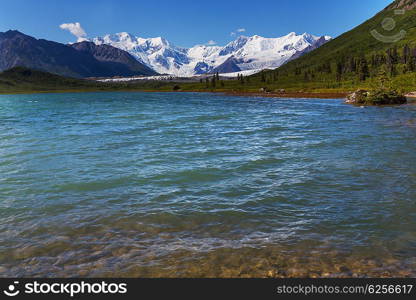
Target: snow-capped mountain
(243, 54)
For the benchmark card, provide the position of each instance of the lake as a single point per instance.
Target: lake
(203, 185)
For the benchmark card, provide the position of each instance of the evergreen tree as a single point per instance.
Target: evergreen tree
(383, 79)
(363, 71)
(339, 71)
(406, 54)
(392, 57)
(325, 68)
(214, 81)
(276, 76)
(352, 65)
(411, 64)
(374, 60)
(391, 61)
(411, 60)
(395, 56)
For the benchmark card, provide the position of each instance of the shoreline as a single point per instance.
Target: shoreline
(307, 95)
(282, 95)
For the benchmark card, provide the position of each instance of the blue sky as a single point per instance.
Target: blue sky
(184, 22)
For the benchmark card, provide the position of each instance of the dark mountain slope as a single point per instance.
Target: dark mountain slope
(118, 58)
(18, 49)
(229, 66)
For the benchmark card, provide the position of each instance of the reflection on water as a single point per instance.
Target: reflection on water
(200, 185)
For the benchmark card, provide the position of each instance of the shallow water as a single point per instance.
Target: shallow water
(201, 185)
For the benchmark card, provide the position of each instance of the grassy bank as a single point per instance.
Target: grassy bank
(26, 81)
(23, 80)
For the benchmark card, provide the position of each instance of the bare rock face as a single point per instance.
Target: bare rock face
(403, 4)
(357, 97)
(411, 95)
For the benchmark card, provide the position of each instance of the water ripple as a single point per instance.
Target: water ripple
(195, 185)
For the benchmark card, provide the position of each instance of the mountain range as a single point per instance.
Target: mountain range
(125, 55)
(77, 60)
(242, 54)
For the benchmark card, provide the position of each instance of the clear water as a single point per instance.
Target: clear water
(201, 185)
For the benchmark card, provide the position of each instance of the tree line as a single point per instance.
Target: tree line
(394, 61)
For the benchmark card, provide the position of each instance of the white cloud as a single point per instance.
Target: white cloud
(211, 43)
(75, 29)
(239, 30)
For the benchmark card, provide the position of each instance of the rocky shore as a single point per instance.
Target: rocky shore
(378, 97)
(271, 262)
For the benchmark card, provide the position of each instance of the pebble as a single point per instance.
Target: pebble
(83, 273)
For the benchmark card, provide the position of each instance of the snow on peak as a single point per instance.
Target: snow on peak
(248, 53)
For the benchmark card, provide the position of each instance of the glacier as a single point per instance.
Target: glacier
(246, 53)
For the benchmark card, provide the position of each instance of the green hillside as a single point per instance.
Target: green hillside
(385, 44)
(357, 57)
(21, 79)
(24, 80)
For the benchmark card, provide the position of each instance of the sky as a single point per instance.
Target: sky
(184, 22)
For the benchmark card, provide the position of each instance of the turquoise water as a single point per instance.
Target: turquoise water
(201, 185)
